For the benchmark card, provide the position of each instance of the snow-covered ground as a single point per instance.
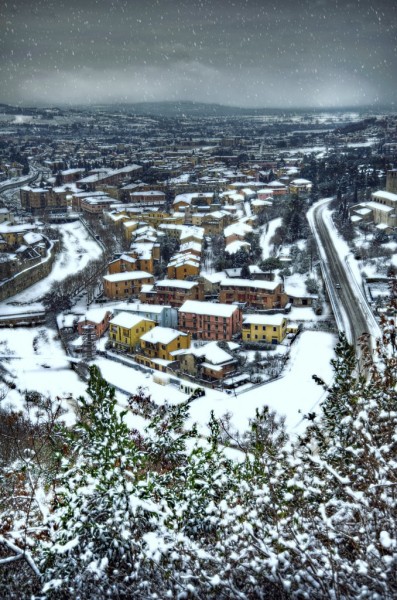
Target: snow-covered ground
(79, 248)
(268, 233)
(34, 359)
(293, 395)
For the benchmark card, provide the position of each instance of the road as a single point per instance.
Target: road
(350, 307)
(17, 184)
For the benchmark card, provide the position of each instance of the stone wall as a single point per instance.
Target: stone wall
(29, 276)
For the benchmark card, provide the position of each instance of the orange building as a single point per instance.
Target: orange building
(172, 291)
(255, 293)
(125, 285)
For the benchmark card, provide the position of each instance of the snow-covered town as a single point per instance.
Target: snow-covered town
(226, 287)
(198, 362)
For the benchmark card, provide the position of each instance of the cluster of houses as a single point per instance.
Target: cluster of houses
(21, 245)
(381, 210)
(11, 169)
(105, 189)
(161, 337)
(160, 321)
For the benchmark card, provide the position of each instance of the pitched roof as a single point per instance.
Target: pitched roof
(128, 320)
(162, 335)
(208, 308)
(116, 277)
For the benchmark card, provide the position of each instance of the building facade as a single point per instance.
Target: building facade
(256, 293)
(210, 321)
(264, 328)
(125, 285)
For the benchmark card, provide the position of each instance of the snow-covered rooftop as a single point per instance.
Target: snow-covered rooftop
(213, 353)
(252, 283)
(208, 308)
(274, 320)
(161, 335)
(126, 320)
(176, 283)
(115, 277)
(381, 194)
(96, 315)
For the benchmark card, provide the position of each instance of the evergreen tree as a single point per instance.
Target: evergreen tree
(103, 505)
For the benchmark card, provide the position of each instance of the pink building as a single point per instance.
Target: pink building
(209, 321)
(98, 317)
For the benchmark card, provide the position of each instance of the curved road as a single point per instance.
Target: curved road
(17, 184)
(350, 307)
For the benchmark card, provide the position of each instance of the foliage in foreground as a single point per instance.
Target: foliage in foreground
(106, 511)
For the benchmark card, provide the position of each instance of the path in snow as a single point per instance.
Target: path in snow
(267, 234)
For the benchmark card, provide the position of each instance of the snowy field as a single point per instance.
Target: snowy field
(293, 395)
(79, 249)
(268, 232)
(34, 360)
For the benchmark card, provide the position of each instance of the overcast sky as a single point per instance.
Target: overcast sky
(285, 53)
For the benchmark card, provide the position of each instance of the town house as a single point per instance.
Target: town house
(264, 328)
(172, 291)
(125, 285)
(157, 347)
(210, 321)
(125, 330)
(255, 293)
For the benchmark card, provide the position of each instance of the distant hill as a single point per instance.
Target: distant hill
(187, 108)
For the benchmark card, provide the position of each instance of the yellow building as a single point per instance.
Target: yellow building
(264, 328)
(156, 218)
(129, 227)
(137, 259)
(183, 266)
(300, 186)
(126, 329)
(160, 342)
(171, 230)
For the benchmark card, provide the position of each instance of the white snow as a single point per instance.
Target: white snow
(127, 276)
(126, 320)
(293, 395)
(162, 335)
(268, 232)
(46, 369)
(78, 249)
(208, 308)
